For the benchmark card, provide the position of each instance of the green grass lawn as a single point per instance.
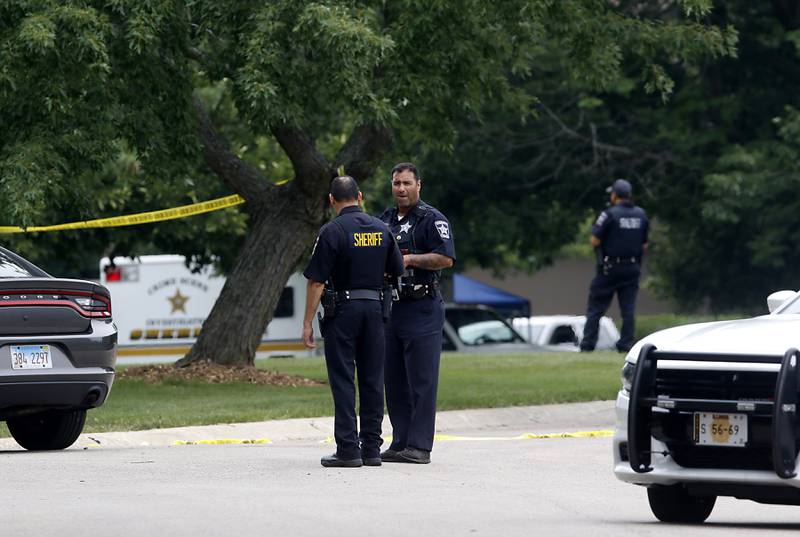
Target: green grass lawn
(466, 381)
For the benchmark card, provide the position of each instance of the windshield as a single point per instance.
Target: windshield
(481, 327)
(11, 269)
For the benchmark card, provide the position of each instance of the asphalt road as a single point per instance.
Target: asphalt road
(502, 487)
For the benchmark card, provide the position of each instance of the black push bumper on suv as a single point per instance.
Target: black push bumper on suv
(663, 401)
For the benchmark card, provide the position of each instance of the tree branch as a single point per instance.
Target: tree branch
(310, 166)
(240, 176)
(364, 149)
(194, 53)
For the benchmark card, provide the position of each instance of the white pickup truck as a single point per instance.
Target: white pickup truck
(564, 332)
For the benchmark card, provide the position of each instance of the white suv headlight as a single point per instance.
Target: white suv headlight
(627, 375)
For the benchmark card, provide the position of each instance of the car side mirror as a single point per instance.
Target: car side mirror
(777, 298)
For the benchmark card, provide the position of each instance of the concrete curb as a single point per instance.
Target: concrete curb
(530, 419)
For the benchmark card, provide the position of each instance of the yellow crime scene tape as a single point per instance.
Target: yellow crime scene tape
(141, 218)
(438, 438)
(136, 219)
(224, 441)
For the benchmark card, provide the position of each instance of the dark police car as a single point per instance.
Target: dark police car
(57, 353)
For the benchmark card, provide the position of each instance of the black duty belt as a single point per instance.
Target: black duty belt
(621, 260)
(419, 291)
(359, 294)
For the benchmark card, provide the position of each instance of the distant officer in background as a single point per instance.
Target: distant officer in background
(414, 335)
(352, 254)
(620, 237)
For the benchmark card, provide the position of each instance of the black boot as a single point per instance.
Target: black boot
(333, 461)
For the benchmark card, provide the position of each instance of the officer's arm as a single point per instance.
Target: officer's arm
(438, 240)
(313, 296)
(319, 270)
(429, 261)
(600, 228)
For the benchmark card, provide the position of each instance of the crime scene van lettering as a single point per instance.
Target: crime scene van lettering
(367, 239)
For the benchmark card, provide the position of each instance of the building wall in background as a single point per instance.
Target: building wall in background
(563, 288)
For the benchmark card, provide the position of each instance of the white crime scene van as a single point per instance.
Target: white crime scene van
(160, 306)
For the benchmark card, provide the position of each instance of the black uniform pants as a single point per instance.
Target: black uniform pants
(622, 279)
(413, 353)
(354, 341)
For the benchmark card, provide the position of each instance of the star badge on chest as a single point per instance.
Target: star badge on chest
(405, 228)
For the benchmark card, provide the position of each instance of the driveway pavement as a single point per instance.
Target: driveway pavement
(531, 419)
(494, 472)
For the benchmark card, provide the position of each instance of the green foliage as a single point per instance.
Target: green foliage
(528, 182)
(95, 99)
(715, 165)
(727, 199)
(748, 219)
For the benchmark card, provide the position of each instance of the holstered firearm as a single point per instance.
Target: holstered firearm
(603, 265)
(405, 282)
(328, 301)
(386, 301)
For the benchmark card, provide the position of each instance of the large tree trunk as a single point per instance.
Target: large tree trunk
(283, 223)
(278, 236)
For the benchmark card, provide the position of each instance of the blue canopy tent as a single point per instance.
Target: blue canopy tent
(469, 291)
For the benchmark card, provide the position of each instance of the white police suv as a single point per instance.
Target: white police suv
(710, 410)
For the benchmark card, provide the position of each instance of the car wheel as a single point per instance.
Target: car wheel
(675, 504)
(55, 429)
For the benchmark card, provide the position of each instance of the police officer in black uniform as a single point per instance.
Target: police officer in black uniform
(414, 335)
(352, 254)
(620, 237)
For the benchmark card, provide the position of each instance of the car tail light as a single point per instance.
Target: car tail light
(87, 304)
(94, 305)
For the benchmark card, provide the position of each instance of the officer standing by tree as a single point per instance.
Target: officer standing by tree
(352, 254)
(620, 237)
(414, 335)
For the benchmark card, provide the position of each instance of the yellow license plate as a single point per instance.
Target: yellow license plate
(711, 429)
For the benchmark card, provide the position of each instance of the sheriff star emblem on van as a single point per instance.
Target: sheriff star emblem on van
(178, 301)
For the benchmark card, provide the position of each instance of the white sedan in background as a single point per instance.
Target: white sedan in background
(563, 332)
(711, 409)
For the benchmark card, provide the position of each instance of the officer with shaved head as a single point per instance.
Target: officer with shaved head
(346, 272)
